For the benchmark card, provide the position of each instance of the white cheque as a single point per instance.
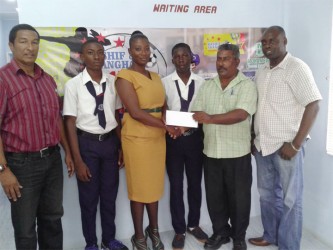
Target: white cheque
(178, 118)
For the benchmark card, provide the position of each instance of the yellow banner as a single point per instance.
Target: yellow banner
(212, 42)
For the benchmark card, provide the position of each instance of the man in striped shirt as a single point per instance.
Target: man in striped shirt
(31, 171)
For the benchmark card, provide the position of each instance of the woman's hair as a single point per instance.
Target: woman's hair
(136, 35)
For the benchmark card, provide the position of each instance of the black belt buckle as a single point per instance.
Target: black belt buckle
(189, 132)
(44, 152)
(95, 137)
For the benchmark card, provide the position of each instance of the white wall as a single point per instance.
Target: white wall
(5, 26)
(230, 13)
(308, 27)
(2, 52)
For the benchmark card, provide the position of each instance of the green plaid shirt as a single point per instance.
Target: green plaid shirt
(227, 141)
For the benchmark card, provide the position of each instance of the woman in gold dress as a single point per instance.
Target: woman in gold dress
(143, 139)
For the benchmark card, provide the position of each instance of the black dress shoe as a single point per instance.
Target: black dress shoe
(215, 242)
(198, 234)
(240, 245)
(178, 241)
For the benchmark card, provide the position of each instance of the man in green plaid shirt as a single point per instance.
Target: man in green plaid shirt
(225, 105)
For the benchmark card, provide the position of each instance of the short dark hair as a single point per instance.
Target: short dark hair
(229, 46)
(181, 45)
(136, 35)
(279, 29)
(16, 28)
(89, 41)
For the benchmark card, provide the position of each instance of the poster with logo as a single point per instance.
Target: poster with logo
(60, 47)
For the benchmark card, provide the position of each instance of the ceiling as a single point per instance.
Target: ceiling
(8, 9)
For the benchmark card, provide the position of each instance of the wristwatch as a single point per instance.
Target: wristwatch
(2, 167)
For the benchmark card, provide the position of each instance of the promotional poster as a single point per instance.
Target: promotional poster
(59, 53)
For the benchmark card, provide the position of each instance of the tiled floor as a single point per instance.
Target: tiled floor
(309, 242)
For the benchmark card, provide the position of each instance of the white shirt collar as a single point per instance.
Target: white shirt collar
(175, 76)
(282, 64)
(86, 77)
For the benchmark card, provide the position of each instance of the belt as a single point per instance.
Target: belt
(96, 137)
(190, 131)
(153, 110)
(44, 152)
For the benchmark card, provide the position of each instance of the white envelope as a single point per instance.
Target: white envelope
(179, 118)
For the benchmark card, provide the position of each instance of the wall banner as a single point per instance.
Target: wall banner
(59, 53)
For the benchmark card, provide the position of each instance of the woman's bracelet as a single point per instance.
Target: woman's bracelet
(294, 148)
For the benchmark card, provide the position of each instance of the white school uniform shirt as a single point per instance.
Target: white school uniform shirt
(283, 93)
(172, 97)
(80, 103)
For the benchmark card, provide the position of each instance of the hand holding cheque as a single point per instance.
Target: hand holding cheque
(202, 117)
(181, 121)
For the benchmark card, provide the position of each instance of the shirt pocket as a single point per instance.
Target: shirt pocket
(230, 103)
(281, 94)
(18, 97)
